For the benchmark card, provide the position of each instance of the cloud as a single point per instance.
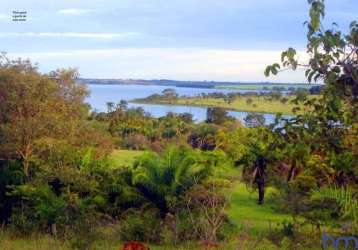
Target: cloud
(69, 35)
(74, 12)
(168, 63)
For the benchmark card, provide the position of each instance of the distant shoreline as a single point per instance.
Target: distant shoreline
(198, 84)
(203, 106)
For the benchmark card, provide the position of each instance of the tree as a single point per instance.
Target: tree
(249, 101)
(276, 95)
(34, 106)
(254, 120)
(301, 94)
(284, 100)
(319, 148)
(110, 106)
(203, 137)
(216, 115)
(169, 94)
(122, 105)
(186, 117)
(205, 207)
(162, 179)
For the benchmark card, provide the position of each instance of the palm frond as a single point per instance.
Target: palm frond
(343, 196)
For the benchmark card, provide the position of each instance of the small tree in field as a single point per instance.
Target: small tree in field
(170, 94)
(206, 205)
(249, 101)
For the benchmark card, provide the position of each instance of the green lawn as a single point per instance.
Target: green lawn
(261, 86)
(121, 157)
(258, 104)
(245, 212)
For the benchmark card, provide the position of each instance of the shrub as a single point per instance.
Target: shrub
(143, 226)
(40, 209)
(136, 142)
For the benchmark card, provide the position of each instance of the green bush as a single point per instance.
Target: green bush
(143, 226)
(40, 209)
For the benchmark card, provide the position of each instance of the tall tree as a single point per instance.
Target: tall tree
(34, 106)
(321, 146)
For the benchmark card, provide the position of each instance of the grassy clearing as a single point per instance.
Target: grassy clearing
(257, 104)
(44, 242)
(262, 86)
(245, 212)
(33, 243)
(121, 157)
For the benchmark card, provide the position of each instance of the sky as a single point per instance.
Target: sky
(221, 40)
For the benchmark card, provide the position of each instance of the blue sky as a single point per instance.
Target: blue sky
(229, 40)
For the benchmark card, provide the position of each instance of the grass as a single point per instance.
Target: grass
(261, 86)
(38, 243)
(121, 157)
(46, 242)
(245, 212)
(259, 104)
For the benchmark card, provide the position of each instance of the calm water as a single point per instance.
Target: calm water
(101, 94)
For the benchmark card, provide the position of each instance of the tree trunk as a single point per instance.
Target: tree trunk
(261, 187)
(26, 164)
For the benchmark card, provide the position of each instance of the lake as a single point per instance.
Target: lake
(101, 94)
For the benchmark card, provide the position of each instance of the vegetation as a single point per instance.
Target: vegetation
(267, 86)
(248, 103)
(123, 157)
(76, 179)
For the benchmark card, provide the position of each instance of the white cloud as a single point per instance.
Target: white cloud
(70, 35)
(74, 12)
(169, 63)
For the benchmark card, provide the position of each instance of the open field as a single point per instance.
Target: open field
(121, 157)
(269, 86)
(257, 104)
(245, 212)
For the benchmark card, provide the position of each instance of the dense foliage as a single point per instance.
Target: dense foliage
(57, 176)
(319, 149)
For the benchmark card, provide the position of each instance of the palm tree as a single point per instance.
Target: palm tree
(122, 105)
(110, 106)
(162, 178)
